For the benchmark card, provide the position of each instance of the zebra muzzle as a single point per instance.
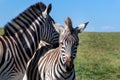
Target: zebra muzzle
(69, 65)
(68, 58)
(68, 61)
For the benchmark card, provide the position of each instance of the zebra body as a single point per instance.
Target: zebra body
(21, 38)
(56, 64)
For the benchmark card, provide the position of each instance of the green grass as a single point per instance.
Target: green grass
(98, 56)
(1, 31)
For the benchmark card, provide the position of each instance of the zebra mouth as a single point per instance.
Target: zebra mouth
(69, 65)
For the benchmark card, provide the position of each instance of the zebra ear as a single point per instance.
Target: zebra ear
(68, 25)
(59, 28)
(81, 27)
(48, 9)
(42, 6)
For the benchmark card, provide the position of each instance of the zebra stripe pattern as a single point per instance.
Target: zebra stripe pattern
(56, 64)
(21, 38)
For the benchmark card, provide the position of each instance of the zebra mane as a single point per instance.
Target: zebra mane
(19, 23)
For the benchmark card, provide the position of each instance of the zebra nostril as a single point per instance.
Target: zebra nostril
(68, 58)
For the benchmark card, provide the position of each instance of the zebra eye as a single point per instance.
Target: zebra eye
(61, 43)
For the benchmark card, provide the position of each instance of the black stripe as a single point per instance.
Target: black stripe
(20, 55)
(26, 18)
(7, 30)
(17, 66)
(6, 67)
(4, 52)
(29, 15)
(33, 13)
(19, 24)
(55, 74)
(24, 23)
(30, 41)
(20, 49)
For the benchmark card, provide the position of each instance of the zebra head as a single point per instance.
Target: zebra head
(69, 41)
(37, 21)
(50, 35)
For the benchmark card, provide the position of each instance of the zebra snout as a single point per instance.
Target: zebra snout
(68, 62)
(68, 58)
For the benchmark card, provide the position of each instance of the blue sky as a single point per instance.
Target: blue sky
(103, 15)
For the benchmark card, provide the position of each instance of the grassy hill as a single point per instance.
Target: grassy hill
(98, 56)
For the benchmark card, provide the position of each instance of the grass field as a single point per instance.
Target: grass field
(98, 56)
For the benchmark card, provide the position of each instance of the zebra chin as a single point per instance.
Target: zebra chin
(69, 65)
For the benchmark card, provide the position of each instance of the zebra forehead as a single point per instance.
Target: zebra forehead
(70, 35)
(70, 38)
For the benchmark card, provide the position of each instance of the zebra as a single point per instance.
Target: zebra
(21, 39)
(56, 64)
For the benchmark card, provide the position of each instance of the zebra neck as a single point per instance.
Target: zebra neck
(24, 28)
(28, 41)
